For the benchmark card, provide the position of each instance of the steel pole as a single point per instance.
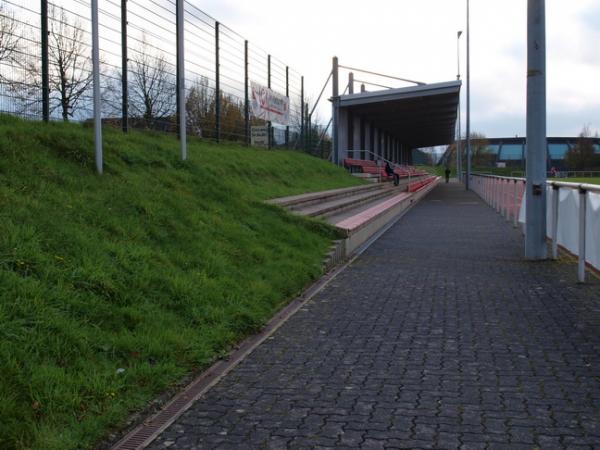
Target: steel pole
(335, 109)
(302, 118)
(269, 124)
(468, 175)
(96, 84)
(181, 112)
(458, 142)
(582, 235)
(217, 84)
(287, 94)
(45, 63)
(246, 97)
(124, 70)
(535, 227)
(555, 206)
(351, 83)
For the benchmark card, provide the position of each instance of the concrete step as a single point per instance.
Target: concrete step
(370, 177)
(296, 202)
(358, 212)
(339, 204)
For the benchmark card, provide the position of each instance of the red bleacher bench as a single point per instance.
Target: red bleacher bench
(368, 166)
(420, 184)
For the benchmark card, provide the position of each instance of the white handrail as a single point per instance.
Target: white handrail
(495, 191)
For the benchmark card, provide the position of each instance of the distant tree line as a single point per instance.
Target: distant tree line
(583, 155)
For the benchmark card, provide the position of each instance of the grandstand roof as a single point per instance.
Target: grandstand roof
(419, 116)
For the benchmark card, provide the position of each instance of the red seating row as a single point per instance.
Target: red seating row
(349, 162)
(368, 166)
(417, 185)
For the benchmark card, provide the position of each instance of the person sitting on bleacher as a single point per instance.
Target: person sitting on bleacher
(390, 173)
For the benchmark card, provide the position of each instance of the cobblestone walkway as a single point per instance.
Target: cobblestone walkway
(438, 336)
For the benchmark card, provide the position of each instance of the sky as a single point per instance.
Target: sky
(418, 40)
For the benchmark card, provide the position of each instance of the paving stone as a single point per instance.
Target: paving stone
(440, 335)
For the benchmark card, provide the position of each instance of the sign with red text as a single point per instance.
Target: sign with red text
(269, 105)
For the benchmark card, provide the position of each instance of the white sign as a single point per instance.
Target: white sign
(269, 105)
(259, 137)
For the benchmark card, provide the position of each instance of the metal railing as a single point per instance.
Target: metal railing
(506, 196)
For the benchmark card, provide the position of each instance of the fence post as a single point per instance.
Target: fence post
(287, 94)
(181, 113)
(217, 85)
(507, 200)
(302, 111)
(495, 204)
(246, 96)
(582, 232)
(124, 69)
(501, 206)
(555, 206)
(516, 204)
(335, 110)
(500, 196)
(96, 87)
(45, 63)
(308, 130)
(269, 124)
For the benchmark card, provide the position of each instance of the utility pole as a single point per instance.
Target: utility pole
(535, 212)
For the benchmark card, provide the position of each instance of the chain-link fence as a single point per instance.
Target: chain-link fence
(46, 69)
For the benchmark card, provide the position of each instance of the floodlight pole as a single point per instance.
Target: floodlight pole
(96, 87)
(468, 175)
(535, 212)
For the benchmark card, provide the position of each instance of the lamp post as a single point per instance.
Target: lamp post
(458, 143)
(468, 102)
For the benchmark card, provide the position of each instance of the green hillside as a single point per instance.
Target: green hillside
(113, 287)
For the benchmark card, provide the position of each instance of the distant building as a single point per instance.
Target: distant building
(511, 151)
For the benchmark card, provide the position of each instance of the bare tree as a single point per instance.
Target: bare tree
(69, 72)
(152, 91)
(10, 40)
(199, 104)
(480, 152)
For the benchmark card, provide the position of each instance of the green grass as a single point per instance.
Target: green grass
(439, 171)
(590, 180)
(157, 267)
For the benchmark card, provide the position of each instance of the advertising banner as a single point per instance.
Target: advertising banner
(269, 105)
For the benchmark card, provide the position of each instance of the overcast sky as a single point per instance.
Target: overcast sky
(417, 40)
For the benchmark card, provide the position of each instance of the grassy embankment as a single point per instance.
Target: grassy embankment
(113, 287)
